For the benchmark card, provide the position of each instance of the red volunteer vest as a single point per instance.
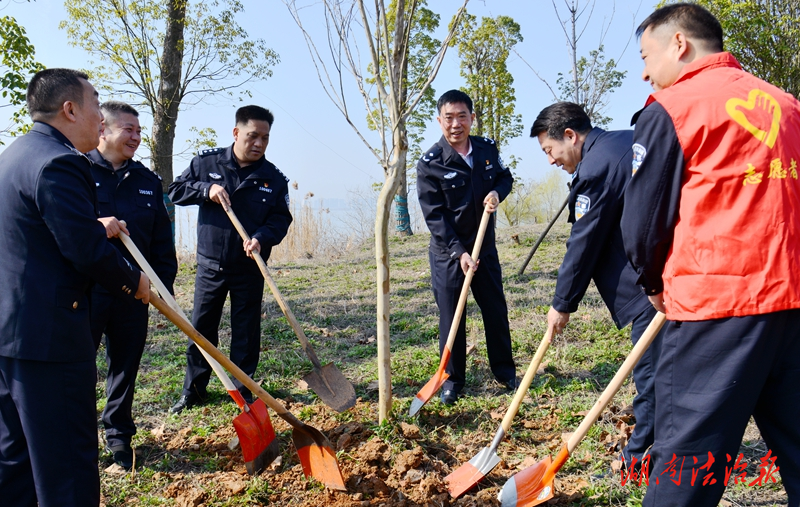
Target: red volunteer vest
(736, 249)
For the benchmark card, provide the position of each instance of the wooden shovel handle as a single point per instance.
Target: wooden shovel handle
(616, 382)
(162, 290)
(218, 356)
(275, 292)
(522, 390)
(462, 298)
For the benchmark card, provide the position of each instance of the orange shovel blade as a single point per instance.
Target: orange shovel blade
(528, 487)
(317, 457)
(428, 391)
(255, 430)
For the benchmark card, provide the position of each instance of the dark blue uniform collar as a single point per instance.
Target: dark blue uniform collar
(97, 158)
(591, 138)
(227, 159)
(449, 154)
(48, 130)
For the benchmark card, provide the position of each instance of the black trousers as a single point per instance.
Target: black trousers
(124, 325)
(447, 280)
(711, 377)
(211, 289)
(644, 403)
(48, 434)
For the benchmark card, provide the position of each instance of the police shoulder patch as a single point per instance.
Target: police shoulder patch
(210, 151)
(434, 152)
(279, 172)
(502, 165)
(639, 153)
(582, 205)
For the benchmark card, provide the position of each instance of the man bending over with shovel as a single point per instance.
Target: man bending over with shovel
(456, 179)
(238, 175)
(599, 163)
(712, 225)
(129, 191)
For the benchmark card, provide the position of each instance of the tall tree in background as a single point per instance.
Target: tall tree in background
(484, 51)
(398, 93)
(422, 50)
(591, 79)
(17, 66)
(169, 54)
(764, 35)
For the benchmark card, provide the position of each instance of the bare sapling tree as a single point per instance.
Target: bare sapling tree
(390, 95)
(591, 78)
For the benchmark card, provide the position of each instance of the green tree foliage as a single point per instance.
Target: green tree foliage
(764, 35)
(591, 79)
(423, 48)
(484, 51)
(591, 83)
(167, 54)
(18, 65)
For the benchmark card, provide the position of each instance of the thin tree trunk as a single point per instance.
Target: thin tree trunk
(165, 114)
(397, 166)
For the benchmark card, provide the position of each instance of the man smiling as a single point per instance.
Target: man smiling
(129, 191)
(711, 224)
(456, 179)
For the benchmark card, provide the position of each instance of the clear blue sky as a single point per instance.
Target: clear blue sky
(312, 143)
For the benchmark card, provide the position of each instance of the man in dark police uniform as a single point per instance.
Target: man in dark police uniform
(456, 179)
(712, 225)
(238, 176)
(53, 250)
(600, 165)
(129, 191)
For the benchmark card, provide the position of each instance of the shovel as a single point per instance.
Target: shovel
(253, 425)
(326, 381)
(468, 474)
(316, 454)
(435, 383)
(534, 485)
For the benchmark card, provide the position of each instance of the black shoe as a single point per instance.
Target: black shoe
(511, 385)
(123, 455)
(186, 401)
(248, 397)
(449, 397)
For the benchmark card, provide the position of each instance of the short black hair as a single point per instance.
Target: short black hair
(556, 118)
(112, 108)
(454, 97)
(50, 88)
(258, 113)
(693, 19)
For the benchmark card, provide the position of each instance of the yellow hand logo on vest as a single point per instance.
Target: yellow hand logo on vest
(762, 100)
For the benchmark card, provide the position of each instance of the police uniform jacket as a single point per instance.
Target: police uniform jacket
(451, 194)
(595, 249)
(134, 194)
(259, 196)
(53, 250)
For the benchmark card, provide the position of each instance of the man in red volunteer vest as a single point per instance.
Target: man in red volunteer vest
(712, 226)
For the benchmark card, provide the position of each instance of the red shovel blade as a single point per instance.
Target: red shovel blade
(255, 430)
